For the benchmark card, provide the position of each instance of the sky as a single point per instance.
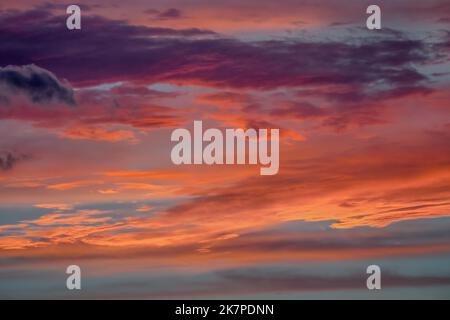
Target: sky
(86, 176)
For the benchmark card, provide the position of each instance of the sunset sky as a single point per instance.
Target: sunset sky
(86, 176)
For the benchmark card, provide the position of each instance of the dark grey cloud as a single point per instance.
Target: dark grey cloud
(258, 280)
(39, 85)
(167, 14)
(269, 280)
(9, 159)
(444, 20)
(294, 237)
(171, 13)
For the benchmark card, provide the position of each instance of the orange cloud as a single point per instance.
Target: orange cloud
(157, 175)
(99, 134)
(107, 191)
(55, 206)
(73, 184)
(144, 209)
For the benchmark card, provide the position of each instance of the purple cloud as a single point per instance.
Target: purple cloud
(191, 55)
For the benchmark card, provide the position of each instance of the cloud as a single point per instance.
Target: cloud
(126, 89)
(287, 258)
(99, 134)
(9, 159)
(73, 184)
(226, 99)
(100, 114)
(54, 206)
(39, 85)
(107, 191)
(196, 56)
(300, 110)
(144, 208)
(171, 13)
(349, 78)
(444, 20)
(267, 281)
(146, 175)
(78, 219)
(167, 14)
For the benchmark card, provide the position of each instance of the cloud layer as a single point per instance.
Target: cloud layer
(85, 170)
